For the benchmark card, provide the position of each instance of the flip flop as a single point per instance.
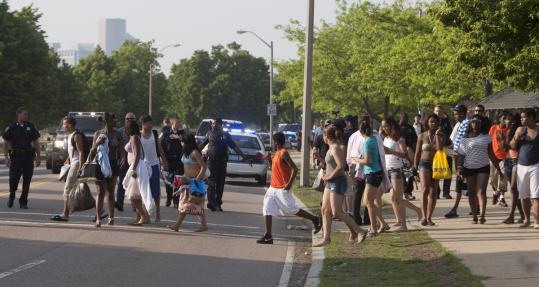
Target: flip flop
(59, 218)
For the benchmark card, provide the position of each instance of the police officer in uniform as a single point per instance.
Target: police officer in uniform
(21, 147)
(170, 140)
(218, 143)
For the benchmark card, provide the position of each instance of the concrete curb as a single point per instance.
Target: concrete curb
(318, 255)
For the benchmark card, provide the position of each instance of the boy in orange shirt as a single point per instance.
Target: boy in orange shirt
(279, 194)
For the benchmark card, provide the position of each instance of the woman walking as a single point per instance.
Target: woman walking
(153, 152)
(106, 144)
(137, 180)
(428, 143)
(512, 122)
(395, 154)
(374, 176)
(336, 185)
(473, 162)
(194, 170)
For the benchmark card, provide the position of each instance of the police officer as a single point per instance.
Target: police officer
(218, 143)
(171, 142)
(21, 147)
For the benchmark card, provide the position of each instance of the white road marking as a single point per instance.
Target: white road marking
(288, 264)
(126, 227)
(122, 217)
(21, 268)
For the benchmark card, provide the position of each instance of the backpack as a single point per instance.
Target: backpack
(85, 145)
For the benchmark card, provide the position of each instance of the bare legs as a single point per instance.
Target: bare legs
(105, 187)
(527, 206)
(370, 201)
(142, 214)
(332, 204)
(428, 196)
(515, 201)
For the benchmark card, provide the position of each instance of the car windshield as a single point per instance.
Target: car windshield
(85, 125)
(246, 142)
(205, 127)
(289, 128)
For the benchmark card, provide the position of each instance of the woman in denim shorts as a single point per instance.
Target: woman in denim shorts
(395, 154)
(336, 185)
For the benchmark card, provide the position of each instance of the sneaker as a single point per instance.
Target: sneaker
(495, 198)
(10, 202)
(265, 240)
(409, 196)
(451, 214)
(502, 203)
(317, 225)
(119, 206)
(447, 196)
(24, 206)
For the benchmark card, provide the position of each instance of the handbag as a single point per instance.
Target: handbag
(90, 171)
(318, 184)
(440, 166)
(81, 199)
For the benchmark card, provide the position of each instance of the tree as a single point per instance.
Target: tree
(27, 69)
(502, 37)
(379, 60)
(226, 82)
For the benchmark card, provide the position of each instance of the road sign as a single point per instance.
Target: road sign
(272, 109)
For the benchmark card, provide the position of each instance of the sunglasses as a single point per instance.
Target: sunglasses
(129, 119)
(478, 111)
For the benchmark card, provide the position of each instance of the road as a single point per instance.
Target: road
(38, 252)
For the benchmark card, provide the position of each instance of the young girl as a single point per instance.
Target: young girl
(428, 143)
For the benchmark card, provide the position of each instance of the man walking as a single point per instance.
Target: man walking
(408, 132)
(279, 195)
(21, 148)
(460, 128)
(75, 152)
(218, 143)
(123, 164)
(171, 143)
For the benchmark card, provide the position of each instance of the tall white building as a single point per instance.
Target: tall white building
(73, 56)
(112, 34)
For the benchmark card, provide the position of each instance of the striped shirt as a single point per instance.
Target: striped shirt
(475, 151)
(462, 129)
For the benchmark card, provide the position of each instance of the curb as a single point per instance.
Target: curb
(318, 255)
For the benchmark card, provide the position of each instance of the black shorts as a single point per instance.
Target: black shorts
(375, 178)
(114, 167)
(467, 172)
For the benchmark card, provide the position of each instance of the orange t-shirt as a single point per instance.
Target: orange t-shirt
(497, 146)
(280, 171)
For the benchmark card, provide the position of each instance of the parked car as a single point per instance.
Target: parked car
(251, 145)
(228, 125)
(57, 150)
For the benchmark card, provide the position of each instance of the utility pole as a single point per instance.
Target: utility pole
(307, 88)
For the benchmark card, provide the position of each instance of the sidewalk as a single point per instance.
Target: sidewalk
(502, 255)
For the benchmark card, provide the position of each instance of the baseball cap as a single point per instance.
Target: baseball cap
(327, 123)
(460, 108)
(349, 118)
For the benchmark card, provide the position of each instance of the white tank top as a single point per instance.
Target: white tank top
(392, 161)
(150, 155)
(73, 155)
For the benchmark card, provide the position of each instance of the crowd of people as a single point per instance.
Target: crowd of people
(361, 164)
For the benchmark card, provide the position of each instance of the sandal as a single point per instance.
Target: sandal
(322, 243)
(59, 218)
(524, 225)
(362, 236)
(509, 220)
(135, 223)
(171, 227)
(202, 229)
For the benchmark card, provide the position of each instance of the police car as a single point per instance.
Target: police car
(228, 125)
(253, 148)
(57, 151)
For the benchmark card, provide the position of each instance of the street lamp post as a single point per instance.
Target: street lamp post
(151, 76)
(270, 45)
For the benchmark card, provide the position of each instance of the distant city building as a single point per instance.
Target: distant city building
(112, 34)
(73, 56)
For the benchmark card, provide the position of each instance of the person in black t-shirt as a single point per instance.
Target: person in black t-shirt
(407, 131)
(21, 148)
(446, 128)
(218, 143)
(170, 140)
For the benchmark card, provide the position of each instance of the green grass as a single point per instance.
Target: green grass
(404, 259)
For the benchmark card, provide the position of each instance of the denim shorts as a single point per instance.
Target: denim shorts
(155, 186)
(425, 165)
(395, 172)
(508, 165)
(338, 185)
(375, 178)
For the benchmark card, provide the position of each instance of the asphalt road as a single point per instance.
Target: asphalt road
(35, 251)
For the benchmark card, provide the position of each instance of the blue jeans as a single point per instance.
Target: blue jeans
(154, 182)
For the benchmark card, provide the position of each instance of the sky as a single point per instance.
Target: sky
(194, 24)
